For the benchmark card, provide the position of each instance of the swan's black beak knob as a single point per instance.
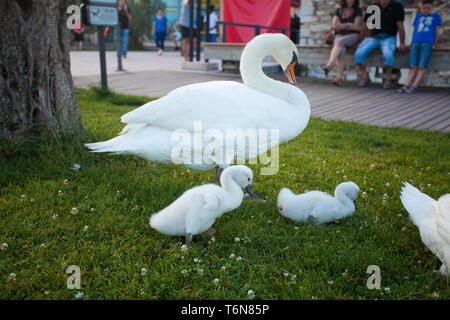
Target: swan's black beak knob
(290, 70)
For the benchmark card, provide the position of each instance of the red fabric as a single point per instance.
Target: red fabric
(272, 13)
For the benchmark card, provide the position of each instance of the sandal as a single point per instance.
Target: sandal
(337, 81)
(387, 84)
(364, 82)
(412, 89)
(326, 70)
(404, 89)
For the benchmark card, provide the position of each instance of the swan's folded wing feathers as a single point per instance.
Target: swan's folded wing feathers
(416, 203)
(174, 111)
(442, 209)
(211, 201)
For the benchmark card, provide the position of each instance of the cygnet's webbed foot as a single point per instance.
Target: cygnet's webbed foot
(254, 196)
(210, 232)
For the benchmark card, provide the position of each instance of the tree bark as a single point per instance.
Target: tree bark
(36, 86)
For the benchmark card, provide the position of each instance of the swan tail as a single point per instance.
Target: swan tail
(115, 145)
(416, 203)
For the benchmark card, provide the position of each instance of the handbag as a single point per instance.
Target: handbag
(329, 36)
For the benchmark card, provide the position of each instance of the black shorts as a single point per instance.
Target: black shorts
(185, 32)
(78, 36)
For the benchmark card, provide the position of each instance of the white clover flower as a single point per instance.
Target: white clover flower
(184, 247)
(213, 239)
(435, 295)
(344, 178)
(197, 260)
(60, 193)
(66, 181)
(223, 268)
(74, 211)
(251, 294)
(237, 239)
(200, 271)
(55, 216)
(239, 258)
(216, 280)
(46, 292)
(296, 228)
(387, 184)
(79, 295)
(24, 196)
(364, 194)
(143, 271)
(184, 271)
(399, 215)
(330, 282)
(293, 277)
(91, 209)
(387, 289)
(12, 276)
(4, 246)
(286, 274)
(232, 256)
(85, 228)
(32, 200)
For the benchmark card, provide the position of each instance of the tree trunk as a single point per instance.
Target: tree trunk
(36, 85)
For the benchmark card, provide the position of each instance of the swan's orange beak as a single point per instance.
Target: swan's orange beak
(290, 70)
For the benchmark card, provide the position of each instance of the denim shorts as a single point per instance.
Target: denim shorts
(386, 43)
(420, 54)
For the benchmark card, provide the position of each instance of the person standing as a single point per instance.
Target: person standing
(346, 23)
(295, 27)
(184, 27)
(213, 19)
(392, 17)
(124, 18)
(160, 29)
(425, 36)
(78, 31)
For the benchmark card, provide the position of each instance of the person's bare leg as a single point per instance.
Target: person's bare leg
(411, 76)
(185, 48)
(362, 69)
(335, 52)
(340, 69)
(388, 73)
(419, 78)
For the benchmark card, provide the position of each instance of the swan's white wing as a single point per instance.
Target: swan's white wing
(216, 103)
(418, 204)
(442, 209)
(211, 200)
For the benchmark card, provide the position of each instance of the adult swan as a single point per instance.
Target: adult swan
(192, 118)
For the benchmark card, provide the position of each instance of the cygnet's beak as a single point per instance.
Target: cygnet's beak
(290, 70)
(249, 190)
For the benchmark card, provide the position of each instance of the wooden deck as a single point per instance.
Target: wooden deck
(429, 109)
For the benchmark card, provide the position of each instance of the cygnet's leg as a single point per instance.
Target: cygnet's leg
(188, 239)
(254, 196)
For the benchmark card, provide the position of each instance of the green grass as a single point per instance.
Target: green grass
(44, 238)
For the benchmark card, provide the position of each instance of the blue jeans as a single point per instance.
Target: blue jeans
(386, 43)
(420, 54)
(212, 37)
(124, 37)
(159, 39)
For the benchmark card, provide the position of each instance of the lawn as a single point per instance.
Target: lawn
(121, 257)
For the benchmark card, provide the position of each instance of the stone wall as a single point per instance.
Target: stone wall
(316, 16)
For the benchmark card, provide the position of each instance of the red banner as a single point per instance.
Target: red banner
(271, 13)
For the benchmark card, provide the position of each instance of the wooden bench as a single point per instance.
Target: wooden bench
(319, 54)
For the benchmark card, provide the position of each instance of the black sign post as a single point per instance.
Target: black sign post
(100, 13)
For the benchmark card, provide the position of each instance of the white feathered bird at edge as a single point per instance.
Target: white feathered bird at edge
(433, 220)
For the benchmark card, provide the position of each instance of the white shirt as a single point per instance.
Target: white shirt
(213, 18)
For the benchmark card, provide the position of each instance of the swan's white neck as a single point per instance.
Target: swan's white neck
(344, 199)
(232, 188)
(252, 73)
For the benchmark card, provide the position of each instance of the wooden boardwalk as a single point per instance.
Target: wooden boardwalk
(429, 109)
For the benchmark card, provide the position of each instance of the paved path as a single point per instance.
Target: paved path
(155, 76)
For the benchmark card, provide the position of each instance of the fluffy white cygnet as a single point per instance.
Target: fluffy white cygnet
(318, 206)
(197, 209)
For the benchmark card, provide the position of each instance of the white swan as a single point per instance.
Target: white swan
(433, 220)
(318, 206)
(155, 130)
(196, 210)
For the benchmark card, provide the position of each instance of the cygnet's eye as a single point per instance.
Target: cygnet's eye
(248, 179)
